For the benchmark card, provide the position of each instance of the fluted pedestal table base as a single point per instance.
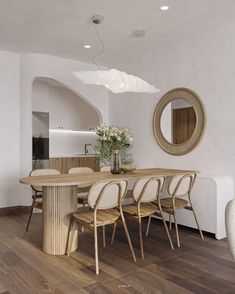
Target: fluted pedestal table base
(58, 204)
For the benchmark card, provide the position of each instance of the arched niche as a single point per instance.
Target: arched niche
(67, 108)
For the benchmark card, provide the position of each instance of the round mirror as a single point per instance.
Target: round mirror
(178, 121)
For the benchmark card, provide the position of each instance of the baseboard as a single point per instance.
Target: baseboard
(14, 210)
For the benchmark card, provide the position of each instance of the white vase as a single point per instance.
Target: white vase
(230, 225)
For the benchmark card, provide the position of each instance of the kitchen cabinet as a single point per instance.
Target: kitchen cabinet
(63, 164)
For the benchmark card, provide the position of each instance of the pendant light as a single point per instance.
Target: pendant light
(114, 80)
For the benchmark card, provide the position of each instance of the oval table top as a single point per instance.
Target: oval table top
(86, 179)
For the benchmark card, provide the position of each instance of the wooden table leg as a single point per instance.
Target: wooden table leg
(58, 204)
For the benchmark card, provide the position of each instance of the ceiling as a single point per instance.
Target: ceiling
(63, 27)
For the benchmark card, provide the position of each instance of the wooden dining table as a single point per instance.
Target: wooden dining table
(59, 196)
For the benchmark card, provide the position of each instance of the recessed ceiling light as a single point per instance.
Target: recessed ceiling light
(87, 46)
(164, 7)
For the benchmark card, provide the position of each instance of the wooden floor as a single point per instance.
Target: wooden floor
(198, 267)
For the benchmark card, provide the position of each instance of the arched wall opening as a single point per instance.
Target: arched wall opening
(33, 66)
(67, 111)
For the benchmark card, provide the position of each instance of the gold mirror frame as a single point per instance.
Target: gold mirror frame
(192, 98)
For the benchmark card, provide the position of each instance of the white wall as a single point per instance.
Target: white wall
(180, 103)
(9, 129)
(205, 64)
(71, 144)
(66, 110)
(166, 122)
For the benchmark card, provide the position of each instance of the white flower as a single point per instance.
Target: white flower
(112, 134)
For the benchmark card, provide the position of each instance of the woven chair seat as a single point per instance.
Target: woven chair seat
(129, 194)
(179, 203)
(37, 204)
(104, 217)
(146, 209)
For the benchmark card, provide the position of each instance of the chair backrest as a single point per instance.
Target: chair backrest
(181, 185)
(106, 194)
(42, 172)
(80, 170)
(147, 189)
(106, 168)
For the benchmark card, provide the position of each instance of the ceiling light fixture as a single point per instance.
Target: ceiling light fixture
(164, 7)
(114, 80)
(87, 46)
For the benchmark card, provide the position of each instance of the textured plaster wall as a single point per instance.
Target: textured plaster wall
(205, 64)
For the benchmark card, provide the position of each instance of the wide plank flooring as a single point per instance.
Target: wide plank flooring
(197, 267)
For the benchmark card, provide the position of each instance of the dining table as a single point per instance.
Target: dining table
(59, 198)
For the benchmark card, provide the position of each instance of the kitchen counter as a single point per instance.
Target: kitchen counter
(63, 164)
(75, 155)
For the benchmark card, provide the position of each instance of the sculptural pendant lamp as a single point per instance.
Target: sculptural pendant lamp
(114, 80)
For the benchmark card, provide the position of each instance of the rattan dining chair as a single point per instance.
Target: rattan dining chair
(146, 190)
(107, 168)
(180, 191)
(37, 196)
(104, 198)
(82, 195)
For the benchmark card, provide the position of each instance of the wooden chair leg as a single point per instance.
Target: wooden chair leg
(30, 216)
(148, 226)
(166, 228)
(103, 232)
(96, 251)
(113, 234)
(197, 223)
(70, 236)
(176, 230)
(141, 239)
(128, 237)
(170, 224)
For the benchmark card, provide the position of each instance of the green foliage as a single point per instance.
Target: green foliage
(111, 138)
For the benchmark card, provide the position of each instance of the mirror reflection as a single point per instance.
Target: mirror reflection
(178, 121)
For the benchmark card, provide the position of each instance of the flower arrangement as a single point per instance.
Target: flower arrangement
(113, 138)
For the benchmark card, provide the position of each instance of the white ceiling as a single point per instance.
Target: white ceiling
(62, 27)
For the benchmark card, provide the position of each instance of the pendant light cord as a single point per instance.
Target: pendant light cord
(101, 51)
